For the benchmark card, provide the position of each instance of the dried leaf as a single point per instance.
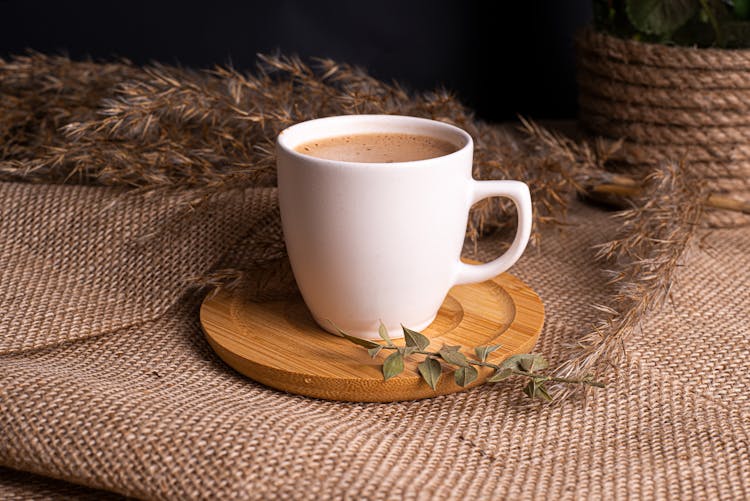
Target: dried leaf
(483, 351)
(383, 332)
(357, 340)
(374, 351)
(536, 389)
(542, 393)
(454, 357)
(530, 389)
(465, 375)
(540, 363)
(514, 361)
(393, 365)
(525, 362)
(499, 375)
(430, 370)
(414, 338)
(406, 350)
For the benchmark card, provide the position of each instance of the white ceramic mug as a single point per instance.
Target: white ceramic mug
(372, 242)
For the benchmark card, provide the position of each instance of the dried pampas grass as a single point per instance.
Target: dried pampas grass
(201, 134)
(640, 263)
(665, 212)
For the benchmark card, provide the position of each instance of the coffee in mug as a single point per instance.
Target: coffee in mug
(374, 211)
(377, 148)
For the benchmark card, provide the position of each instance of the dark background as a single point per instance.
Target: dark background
(457, 44)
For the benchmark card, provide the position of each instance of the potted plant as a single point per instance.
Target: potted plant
(672, 79)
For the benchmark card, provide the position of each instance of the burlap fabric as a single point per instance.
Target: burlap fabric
(108, 383)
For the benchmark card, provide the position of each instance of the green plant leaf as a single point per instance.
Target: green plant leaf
(465, 375)
(452, 356)
(393, 365)
(374, 351)
(483, 351)
(416, 339)
(430, 370)
(499, 375)
(660, 17)
(383, 332)
(737, 33)
(742, 9)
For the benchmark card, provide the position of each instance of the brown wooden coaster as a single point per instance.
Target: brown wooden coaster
(277, 343)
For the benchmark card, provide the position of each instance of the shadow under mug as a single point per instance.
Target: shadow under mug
(372, 242)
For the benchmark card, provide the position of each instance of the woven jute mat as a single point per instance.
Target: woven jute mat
(108, 383)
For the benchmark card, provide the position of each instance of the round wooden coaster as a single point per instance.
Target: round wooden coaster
(277, 343)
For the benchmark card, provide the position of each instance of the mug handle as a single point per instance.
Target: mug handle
(519, 193)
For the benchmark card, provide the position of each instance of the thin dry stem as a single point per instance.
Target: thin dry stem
(202, 133)
(654, 235)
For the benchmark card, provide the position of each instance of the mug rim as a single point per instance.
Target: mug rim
(284, 142)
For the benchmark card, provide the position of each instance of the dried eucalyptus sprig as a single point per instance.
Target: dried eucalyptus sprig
(527, 365)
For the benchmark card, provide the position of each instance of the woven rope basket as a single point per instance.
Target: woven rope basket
(670, 104)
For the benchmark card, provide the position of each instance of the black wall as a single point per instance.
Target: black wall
(458, 44)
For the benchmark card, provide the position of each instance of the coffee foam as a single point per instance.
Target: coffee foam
(377, 148)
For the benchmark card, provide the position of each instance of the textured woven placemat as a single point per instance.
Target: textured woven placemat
(96, 389)
(18, 485)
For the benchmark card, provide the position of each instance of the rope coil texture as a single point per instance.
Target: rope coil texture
(670, 104)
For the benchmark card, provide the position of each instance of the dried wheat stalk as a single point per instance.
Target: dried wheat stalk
(205, 133)
(665, 212)
(201, 133)
(654, 235)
